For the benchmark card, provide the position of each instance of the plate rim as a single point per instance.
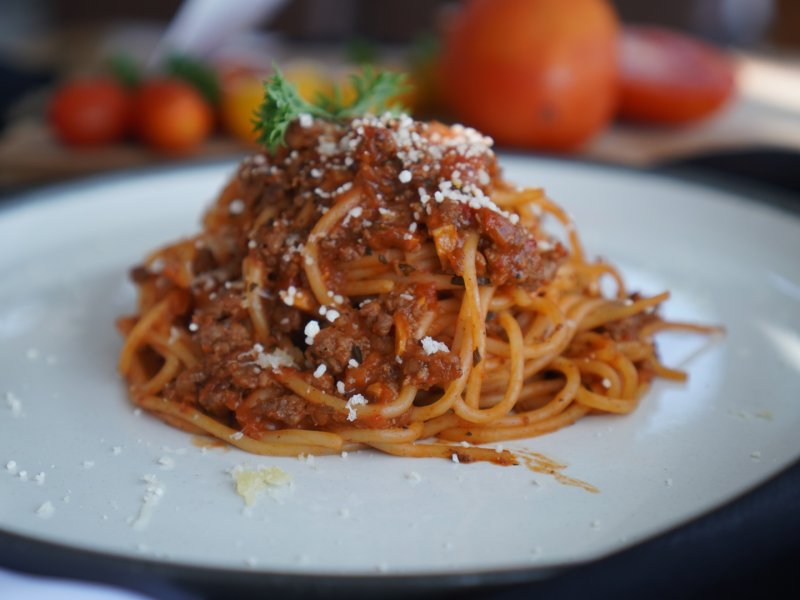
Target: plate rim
(124, 571)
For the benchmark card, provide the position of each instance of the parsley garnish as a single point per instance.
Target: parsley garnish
(282, 104)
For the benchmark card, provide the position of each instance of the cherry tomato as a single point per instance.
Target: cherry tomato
(90, 112)
(171, 116)
(533, 73)
(670, 78)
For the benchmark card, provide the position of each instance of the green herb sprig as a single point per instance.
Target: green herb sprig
(374, 92)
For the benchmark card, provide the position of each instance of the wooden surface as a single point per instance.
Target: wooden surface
(29, 154)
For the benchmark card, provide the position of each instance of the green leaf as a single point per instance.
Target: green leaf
(283, 104)
(361, 51)
(374, 90)
(125, 70)
(196, 73)
(424, 50)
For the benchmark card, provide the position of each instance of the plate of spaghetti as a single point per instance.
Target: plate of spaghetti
(396, 347)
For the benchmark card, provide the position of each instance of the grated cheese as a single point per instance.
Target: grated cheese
(288, 295)
(45, 510)
(153, 493)
(14, 404)
(274, 360)
(251, 482)
(306, 120)
(311, 330)
(236, 207)
(355, 400)
(432, 346)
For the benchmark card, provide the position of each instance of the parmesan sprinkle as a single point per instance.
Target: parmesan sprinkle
(250, 483)
(288, 295)
(45, 510)
(14, 404)
(320, 371)
(236, 207)
(153, 493)
(353, 213)
(432, 346)
(274, 360)
(311, 330)
(306, 120)
(355, 400)
(405, 176)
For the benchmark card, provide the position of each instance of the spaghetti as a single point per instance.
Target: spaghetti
(377, 284)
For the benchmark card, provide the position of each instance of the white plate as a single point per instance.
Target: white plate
(64, 260)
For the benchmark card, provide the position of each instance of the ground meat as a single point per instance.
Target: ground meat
(418, 184)
(427, 371)
(275, 406)
(627, 330)
(217, 398)
(187, 385)
(378, 320)
(340, 342)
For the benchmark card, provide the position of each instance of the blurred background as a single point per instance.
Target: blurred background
(89, 87)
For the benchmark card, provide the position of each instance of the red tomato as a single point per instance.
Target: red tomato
(670, 78)
(533, 73)
(90, 112)
(171, 116)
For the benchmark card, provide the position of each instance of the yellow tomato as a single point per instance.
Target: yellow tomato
(410, 99)
(241, 97)
(243, 93)
(309, 78)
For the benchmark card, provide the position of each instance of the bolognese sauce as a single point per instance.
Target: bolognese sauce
(375, 282)
(417, 182)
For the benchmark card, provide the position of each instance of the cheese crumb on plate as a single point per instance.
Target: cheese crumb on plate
(251, 482)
